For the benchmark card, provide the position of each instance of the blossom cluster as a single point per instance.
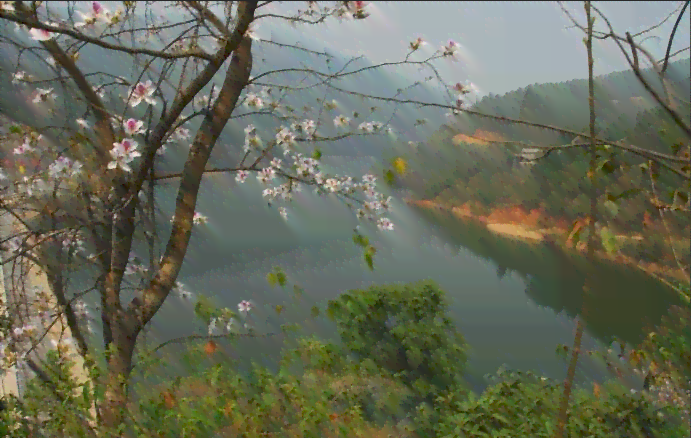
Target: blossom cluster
(307, 171)
(228, 324)
(96, 15)
(294, 170)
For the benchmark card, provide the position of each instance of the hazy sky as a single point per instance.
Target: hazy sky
(506, 45)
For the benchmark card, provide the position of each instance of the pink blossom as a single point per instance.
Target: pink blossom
(241, 176)
(142, 91)
(415, 45)
(461, 89)
(97, 8)
(133, 126)
(244, 306)
(450, 49)
(41, 34)
(123, 153)
(199, 219)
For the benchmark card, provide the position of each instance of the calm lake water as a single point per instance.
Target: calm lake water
(513, 301)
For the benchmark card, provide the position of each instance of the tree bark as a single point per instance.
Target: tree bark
(126, 324)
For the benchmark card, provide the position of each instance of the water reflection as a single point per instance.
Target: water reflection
(621, 303)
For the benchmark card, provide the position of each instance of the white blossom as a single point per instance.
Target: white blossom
(43, 94)
(254, 101)
(41, 34)
(143, 91)
(133, 127)
(245, 306)
(199, 219)
(384, 224)
(83, 124)
(341, 121)
(123, 153)
(241, 176)
(266, 175)
(19, 76)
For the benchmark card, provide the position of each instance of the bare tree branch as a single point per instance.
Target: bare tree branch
(236, 78)
(671, 37)
(671, 14)
(674, 114)
(99, 42)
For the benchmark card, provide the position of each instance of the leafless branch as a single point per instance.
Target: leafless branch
(98, 42)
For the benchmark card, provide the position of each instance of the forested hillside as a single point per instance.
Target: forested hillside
(487, 175)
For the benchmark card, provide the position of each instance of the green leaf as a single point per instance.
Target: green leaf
(628, 194)
(370, 251)
(369, 261)
(501, 418)
(562, 350)
(606, 166)
(15, 129)
(317, 154)
(682, 196)
(279, 309)
(414, 357)
(576, 234)
(287, 328)
(360, 240)
(203, 309)
(389, 177)
(276, 277)
(281, 278)
(85, 395)
(609, 240)
(400, 165)
(331, 312)
(315, 311)
(612, 207)
(676, 147)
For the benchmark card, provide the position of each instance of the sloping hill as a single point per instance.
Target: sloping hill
(457, 166)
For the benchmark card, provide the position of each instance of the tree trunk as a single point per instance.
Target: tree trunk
(126, 324)
(119, 367)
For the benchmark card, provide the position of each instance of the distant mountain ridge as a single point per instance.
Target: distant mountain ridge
(620, 100)
(454, 161)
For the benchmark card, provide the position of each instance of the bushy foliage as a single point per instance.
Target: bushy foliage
(326, 399)
(403, 329)
(397, 372)
(525, 405)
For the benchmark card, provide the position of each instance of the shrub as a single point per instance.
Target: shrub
(524, 405)
(403, 329)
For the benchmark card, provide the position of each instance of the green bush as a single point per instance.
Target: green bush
(403, 329)
(401, 361)
(524, 405)
(328, 397)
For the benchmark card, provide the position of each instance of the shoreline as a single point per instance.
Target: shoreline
(553, 236)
